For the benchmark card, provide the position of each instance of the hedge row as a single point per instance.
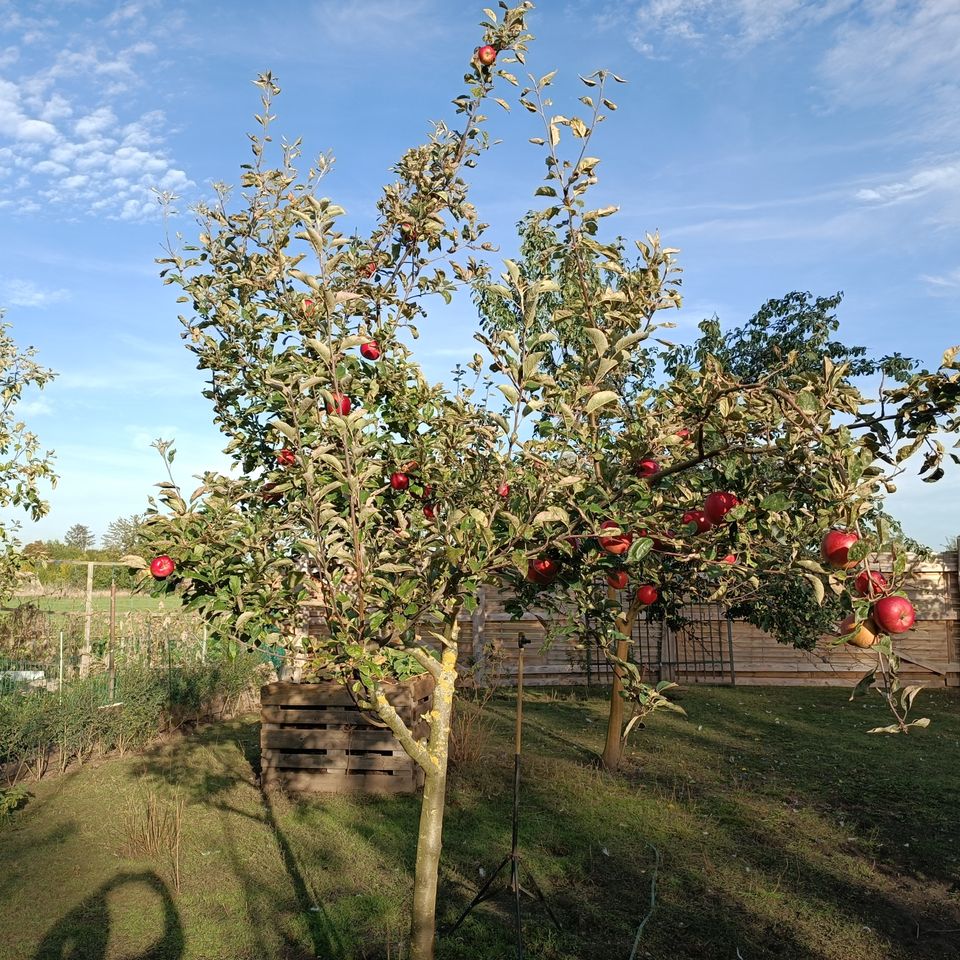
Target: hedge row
(40, 730)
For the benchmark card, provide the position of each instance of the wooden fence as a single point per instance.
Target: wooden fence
(713, 649)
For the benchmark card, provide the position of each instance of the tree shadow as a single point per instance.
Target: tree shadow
(84, 933)
(210, 788)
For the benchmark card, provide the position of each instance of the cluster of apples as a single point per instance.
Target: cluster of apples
(889, 613)
(544, 570)
(400, 482)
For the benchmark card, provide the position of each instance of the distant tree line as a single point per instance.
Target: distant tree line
(45, 558)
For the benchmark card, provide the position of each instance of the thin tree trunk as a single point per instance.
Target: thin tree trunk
(612, 748)
(429, 840)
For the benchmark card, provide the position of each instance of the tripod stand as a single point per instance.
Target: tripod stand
(486, 892)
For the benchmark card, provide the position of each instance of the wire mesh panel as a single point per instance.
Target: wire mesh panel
(701, 648)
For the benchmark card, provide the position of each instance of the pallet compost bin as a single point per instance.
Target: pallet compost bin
(314, 738)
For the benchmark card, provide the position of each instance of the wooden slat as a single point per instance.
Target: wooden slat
(291, 739)
(336, 760)
(305, 694)
(310, 781)
(313, 715)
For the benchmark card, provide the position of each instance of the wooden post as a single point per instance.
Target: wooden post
(478, 623)
(111, 665)
(668, 658)
(733, 669)
(85, 653)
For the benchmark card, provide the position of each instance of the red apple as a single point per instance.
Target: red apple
(487, 55)
(427, 491)
(718, 505)
(308, 307)
(370, 351)
(730, 558)
(399, 481)
(683, 433)
(162, 566)
(870, 584)
(894, 614)
(503, 490)
(699, 518)
(286, 457)
(408, 232)
(370, 269)
(542, 571)
(647, 594)
(618, 579)
(863, 634)
(618, 543)
(835, 546)
(646, 468)
(428, 511)
(341, 404)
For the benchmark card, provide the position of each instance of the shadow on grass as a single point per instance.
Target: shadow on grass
(809, 894)
(211, 788)
(84, 933)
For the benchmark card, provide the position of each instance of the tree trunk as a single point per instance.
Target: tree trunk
(612, 747)
(429, 843)
(429, 839)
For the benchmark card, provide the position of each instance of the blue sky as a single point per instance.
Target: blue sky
(780, 144)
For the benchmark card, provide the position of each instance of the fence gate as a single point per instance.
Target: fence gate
(701, 650)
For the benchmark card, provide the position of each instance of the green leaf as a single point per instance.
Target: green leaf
(909, 694)
(601, 399)
(892, 728)
(598, 339)
(286, 430)
(509, 391)
(551, 515)
(863, 685)
(817, 584)
(639, 549)
(774, 502)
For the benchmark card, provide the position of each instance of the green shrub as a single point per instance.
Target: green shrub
(37, 726)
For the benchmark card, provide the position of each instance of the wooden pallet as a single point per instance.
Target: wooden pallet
(314, 739)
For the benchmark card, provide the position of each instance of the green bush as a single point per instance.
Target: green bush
(36, 725)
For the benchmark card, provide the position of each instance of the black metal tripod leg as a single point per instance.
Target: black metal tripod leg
(482, 894)
(541, 898)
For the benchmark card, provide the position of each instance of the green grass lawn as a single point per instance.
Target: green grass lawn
(101, 603)
(784, 831)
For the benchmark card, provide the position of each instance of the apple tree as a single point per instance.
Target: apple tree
(385, 501)
(360, 489)
(713, 471)
(25, 466)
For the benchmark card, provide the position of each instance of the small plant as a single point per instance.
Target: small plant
(13, 798)
(153, 829)
(470, 730)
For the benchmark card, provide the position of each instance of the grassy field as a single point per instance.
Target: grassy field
(101, 603)
(783, 831)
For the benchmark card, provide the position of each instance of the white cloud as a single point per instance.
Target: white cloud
(25, 293)
(374, 21)
(94, 123)
(942, 284)
(898, 50)
(105, 160)
(34, 408)
(917, 185)
(740, 25)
